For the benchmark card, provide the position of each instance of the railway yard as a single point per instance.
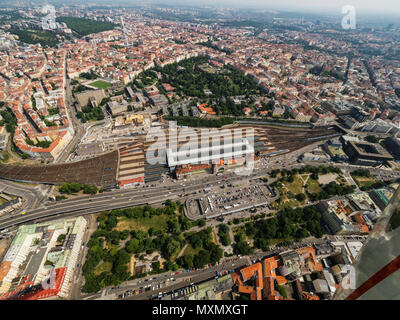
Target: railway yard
(128, 165)
(100, 171)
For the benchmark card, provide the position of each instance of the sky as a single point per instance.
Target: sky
(323, 6)
(365, 7)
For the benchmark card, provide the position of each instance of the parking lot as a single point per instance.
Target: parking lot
(229, 198)
(238, 197)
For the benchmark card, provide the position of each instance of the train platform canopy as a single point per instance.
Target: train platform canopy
(200, 155)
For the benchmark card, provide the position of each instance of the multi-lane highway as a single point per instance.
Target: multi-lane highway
(85, 205)
(146, 195)
(116, 199)
(123, 199)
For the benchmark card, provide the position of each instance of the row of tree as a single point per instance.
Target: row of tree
(330, 190)
(88, 75)
(74, 187)
(9, 120)
(223, 234)
(209, 252)
(201, 122)
(39, 144)
(314, 170)
(212, 46)
(289, 224)
(89, 113)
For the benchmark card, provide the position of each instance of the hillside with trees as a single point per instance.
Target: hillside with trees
(44, 37)
(190, 79)
(82, 26)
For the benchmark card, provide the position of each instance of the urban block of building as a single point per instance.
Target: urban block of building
(41, 260)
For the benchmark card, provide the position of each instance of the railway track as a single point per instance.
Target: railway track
(104, 170)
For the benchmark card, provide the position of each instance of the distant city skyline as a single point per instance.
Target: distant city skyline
(320, 6)
(365, 7)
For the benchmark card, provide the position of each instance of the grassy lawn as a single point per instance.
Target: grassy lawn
(4, 157)
(296, 186)
(144, 224)
(190, 250)
(290, 203)
(100, 84)
(241, 229)
(214, 237)
(313, 186)
(304, 176)
(251, 238)
(105, 266)
(363, 181)
(286, 203)
(275, 241)
(109, 246)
